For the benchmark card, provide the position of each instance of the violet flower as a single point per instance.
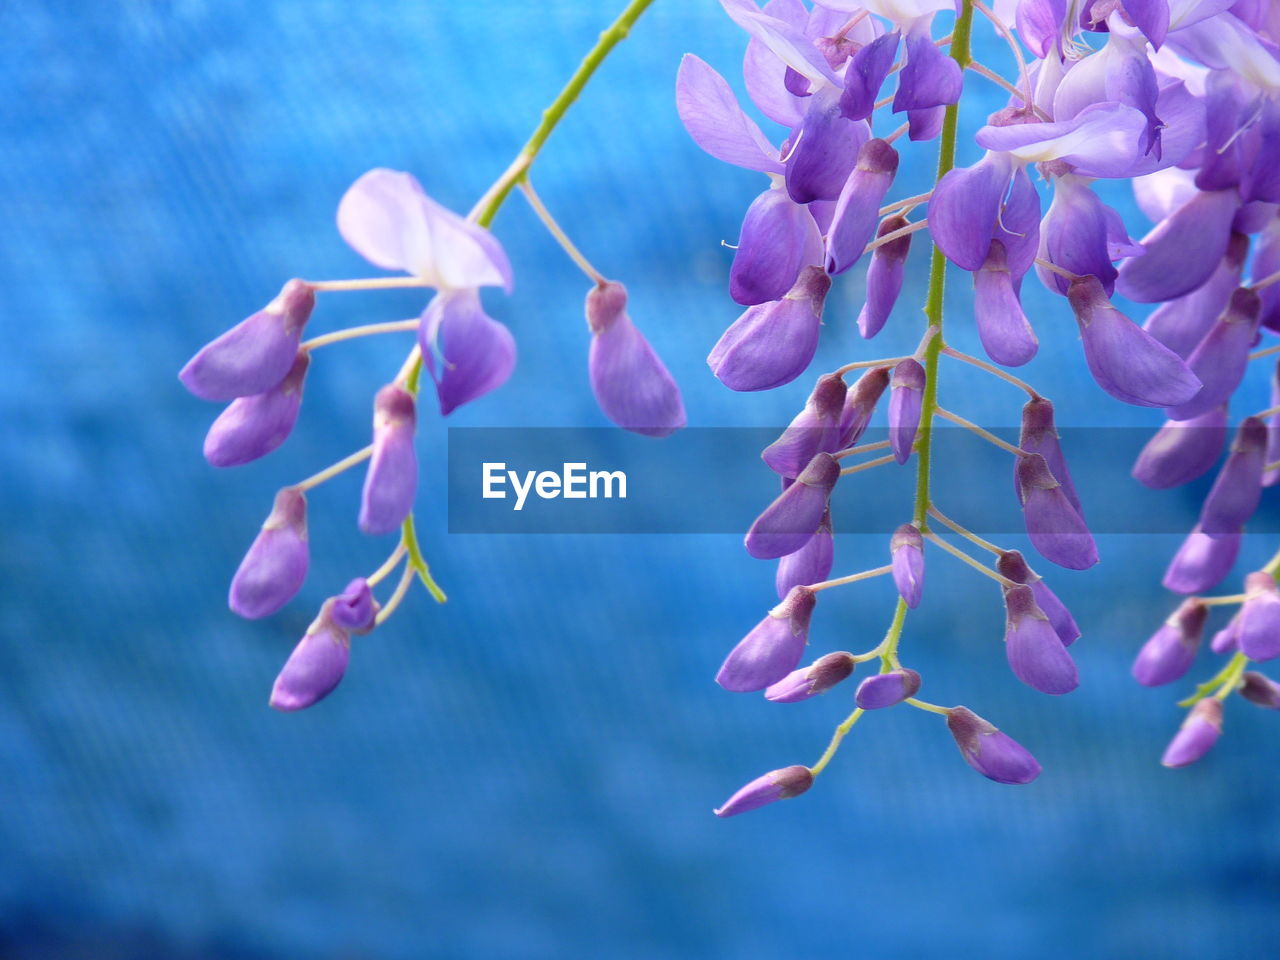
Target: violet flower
(779, 238)
(885, 275)
(355, 609)
(906, 395)
(1234, 497)
(993, 754)
(817, 678)
(467, 352)
(815, 429)
(906, 547)
(273, 570)
(1055, 527)
(857, 211)
(1202, 561)
(1035, 652)
(773, 648)
(1220, 359)
(252, 427)
(316, 665)
(1040, 435)
(1182, 450)
(1261, 690)
(255, 355)
(787, 524)
(391, 482)
(776, 785)
(887, 689)
(1168, 655)
(811, 563)
(859, 403)
(1011, 564)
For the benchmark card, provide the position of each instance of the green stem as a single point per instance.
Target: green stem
(409, 537)
(937, 283)
(1224, 680)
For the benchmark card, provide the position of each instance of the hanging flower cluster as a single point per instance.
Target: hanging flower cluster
(1179, 97)
(259, 367)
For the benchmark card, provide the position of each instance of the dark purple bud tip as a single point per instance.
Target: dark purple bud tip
(391, 482)
(605, 303)
(273, 570)
(819, 677)
(1261, 690)
(906, 547)
(1036, 653)
(252, 427)
(1258, 627)
(787, 524)
(355, 609)
(993, 754)
(774, 646)
(1012, 565)
(906, 396)
(257, 353)
(316, 665)
(887, 689)
(1056, 528)
(776, 785)
(1198, 734)
(1171, 650)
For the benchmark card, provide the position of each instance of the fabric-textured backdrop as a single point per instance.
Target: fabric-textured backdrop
(528, 771)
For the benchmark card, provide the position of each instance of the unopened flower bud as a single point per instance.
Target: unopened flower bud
(819, 677)
(273, 570)
(906, 395)
(887, 689)
(857, 211)
(1197, 735)
(257, 353)
(1172, 649)
(816, 428)
(811, 563)
(1236, 492)
(1011, 564)
(1220, 359)
(391, 482)
(1055, 527)
(252, 427)
(885, 275)
(1002, 326)
(773, 648)
(906, 547)
(355, 609)
(1035, 652)
(859, 403)
(1202, 561)
(993, 754)
(787, 524)
(316, 665)
(1258, 631)
(1261, 690)
(776, 785)
(1182, 450)
(1039, 435)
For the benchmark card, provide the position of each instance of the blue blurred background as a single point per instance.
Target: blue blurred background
(529, 770)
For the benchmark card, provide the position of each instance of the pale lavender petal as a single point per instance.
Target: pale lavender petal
(1180, 324)
(316, 665)
(1183, 250)
(763, 72)
(630, 382)
(993, 754)
(1151, 17)
(1237, 491)
(1182, 450)
(1225, 640)
(273, 570)
(469, 353)
(1171, 650)
(1039, 24)
(887, 689)
(1103, 140)
(772, 343)
(710, 112)
(857, 210)
(391, 482)
(788, 43)
(906, 394)
(884, 279)
(1126, 361)
(773, 648)
(964, 209)
(1006, 335)
(778, 785)
(779, 238)
(252, 427)
(787, 524)
(257, 353)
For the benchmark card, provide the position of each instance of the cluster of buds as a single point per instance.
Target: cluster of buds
(260, 366)
(1177, 97)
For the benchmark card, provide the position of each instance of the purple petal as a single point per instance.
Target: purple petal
(355, 609)
(273, 570)
(1271, 477)
(1260, 690)
(779, 238)
(257, 353)
(1126, 361)
(1055, 527)
(476, 354)
(964, 209)
(1168, 655)
(925, 124)
(787, 524)
(866, 75)
(1182, 450)
(1202, 562)
(1258, 630)
(1036, 653)
(816, 428)
(1151, 17)
(1183, 250)
(763, 72)
(824, 149)
(906, 394)
(817, 678)
(884, 277)
(772, 343)
(858, 208)
(811, 563)
(316, 665)
(906, 548)
(629, 380)
(252, 427)
(391, 482)
(1221, 357)
(887, 689)
(1012, 565)
(993, 754)
(710, 112)
(1039, 24)
(1103, 140)
(1040, 435)
(1236, 492)
(788, 43)
(1006, 335)
(778, 785)
(1180, 324)
(1018, 227)
(930, 78)
(1074, 236)
(860, 402)
(390, 221)
(773, 648)
(1198, 734)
